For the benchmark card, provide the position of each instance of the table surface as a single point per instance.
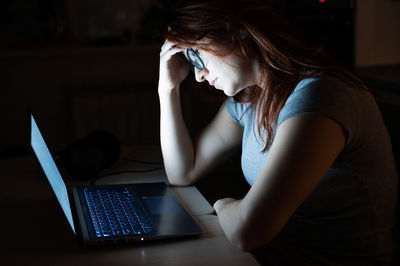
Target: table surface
(36, 231)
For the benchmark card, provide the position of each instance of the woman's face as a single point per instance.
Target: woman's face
(230, 73)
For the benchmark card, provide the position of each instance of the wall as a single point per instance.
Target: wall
(51, 81)
(74, 91)
(377, 32)
(54, 81)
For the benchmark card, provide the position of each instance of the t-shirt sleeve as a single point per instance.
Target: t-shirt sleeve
(236, 110)
(326, 97)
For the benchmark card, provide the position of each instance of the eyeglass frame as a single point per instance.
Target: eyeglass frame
(199, 67)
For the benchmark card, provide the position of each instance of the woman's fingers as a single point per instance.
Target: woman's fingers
(167, 55)
(167, 46)
(170, 52)
(173, 66)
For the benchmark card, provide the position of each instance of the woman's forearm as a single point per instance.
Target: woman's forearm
(229, 216)
(235, 226)
(176, 143)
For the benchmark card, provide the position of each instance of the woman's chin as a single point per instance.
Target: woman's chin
(230, 92)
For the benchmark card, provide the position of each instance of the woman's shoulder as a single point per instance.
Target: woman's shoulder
(338, 81)
(331, 97)
(325, 88)
(322, 81)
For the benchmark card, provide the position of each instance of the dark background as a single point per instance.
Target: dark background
(82, 65)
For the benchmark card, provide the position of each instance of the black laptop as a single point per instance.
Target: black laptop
(103, 214)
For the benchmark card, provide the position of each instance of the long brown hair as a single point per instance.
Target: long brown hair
(253, 29)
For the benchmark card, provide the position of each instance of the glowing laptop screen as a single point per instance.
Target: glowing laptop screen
(51, 171)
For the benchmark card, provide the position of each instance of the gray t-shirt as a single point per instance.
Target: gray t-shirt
(349, 217)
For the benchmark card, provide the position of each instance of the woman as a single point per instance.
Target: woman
(314, 147)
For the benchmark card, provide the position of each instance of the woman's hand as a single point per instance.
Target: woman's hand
(174, 68)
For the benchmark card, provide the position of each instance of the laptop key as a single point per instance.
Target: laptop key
(115, 212)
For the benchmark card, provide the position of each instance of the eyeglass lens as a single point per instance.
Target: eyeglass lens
(194, 59)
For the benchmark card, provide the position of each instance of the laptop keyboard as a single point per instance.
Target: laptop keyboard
(116, 211)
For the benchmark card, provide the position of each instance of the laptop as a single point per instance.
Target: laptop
(106, 214)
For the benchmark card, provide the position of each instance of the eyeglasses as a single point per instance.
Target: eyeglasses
(195, 59)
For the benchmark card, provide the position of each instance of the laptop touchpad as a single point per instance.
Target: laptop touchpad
(160, 205)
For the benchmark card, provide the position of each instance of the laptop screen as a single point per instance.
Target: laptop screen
(51, 171)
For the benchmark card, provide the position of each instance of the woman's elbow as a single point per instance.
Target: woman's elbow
(244, 244)
(179, 181)
(248, 241)
(181, 178)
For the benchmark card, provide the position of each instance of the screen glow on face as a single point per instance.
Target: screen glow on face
(51, 171)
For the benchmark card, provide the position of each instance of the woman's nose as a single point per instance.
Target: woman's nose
(200, 75)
